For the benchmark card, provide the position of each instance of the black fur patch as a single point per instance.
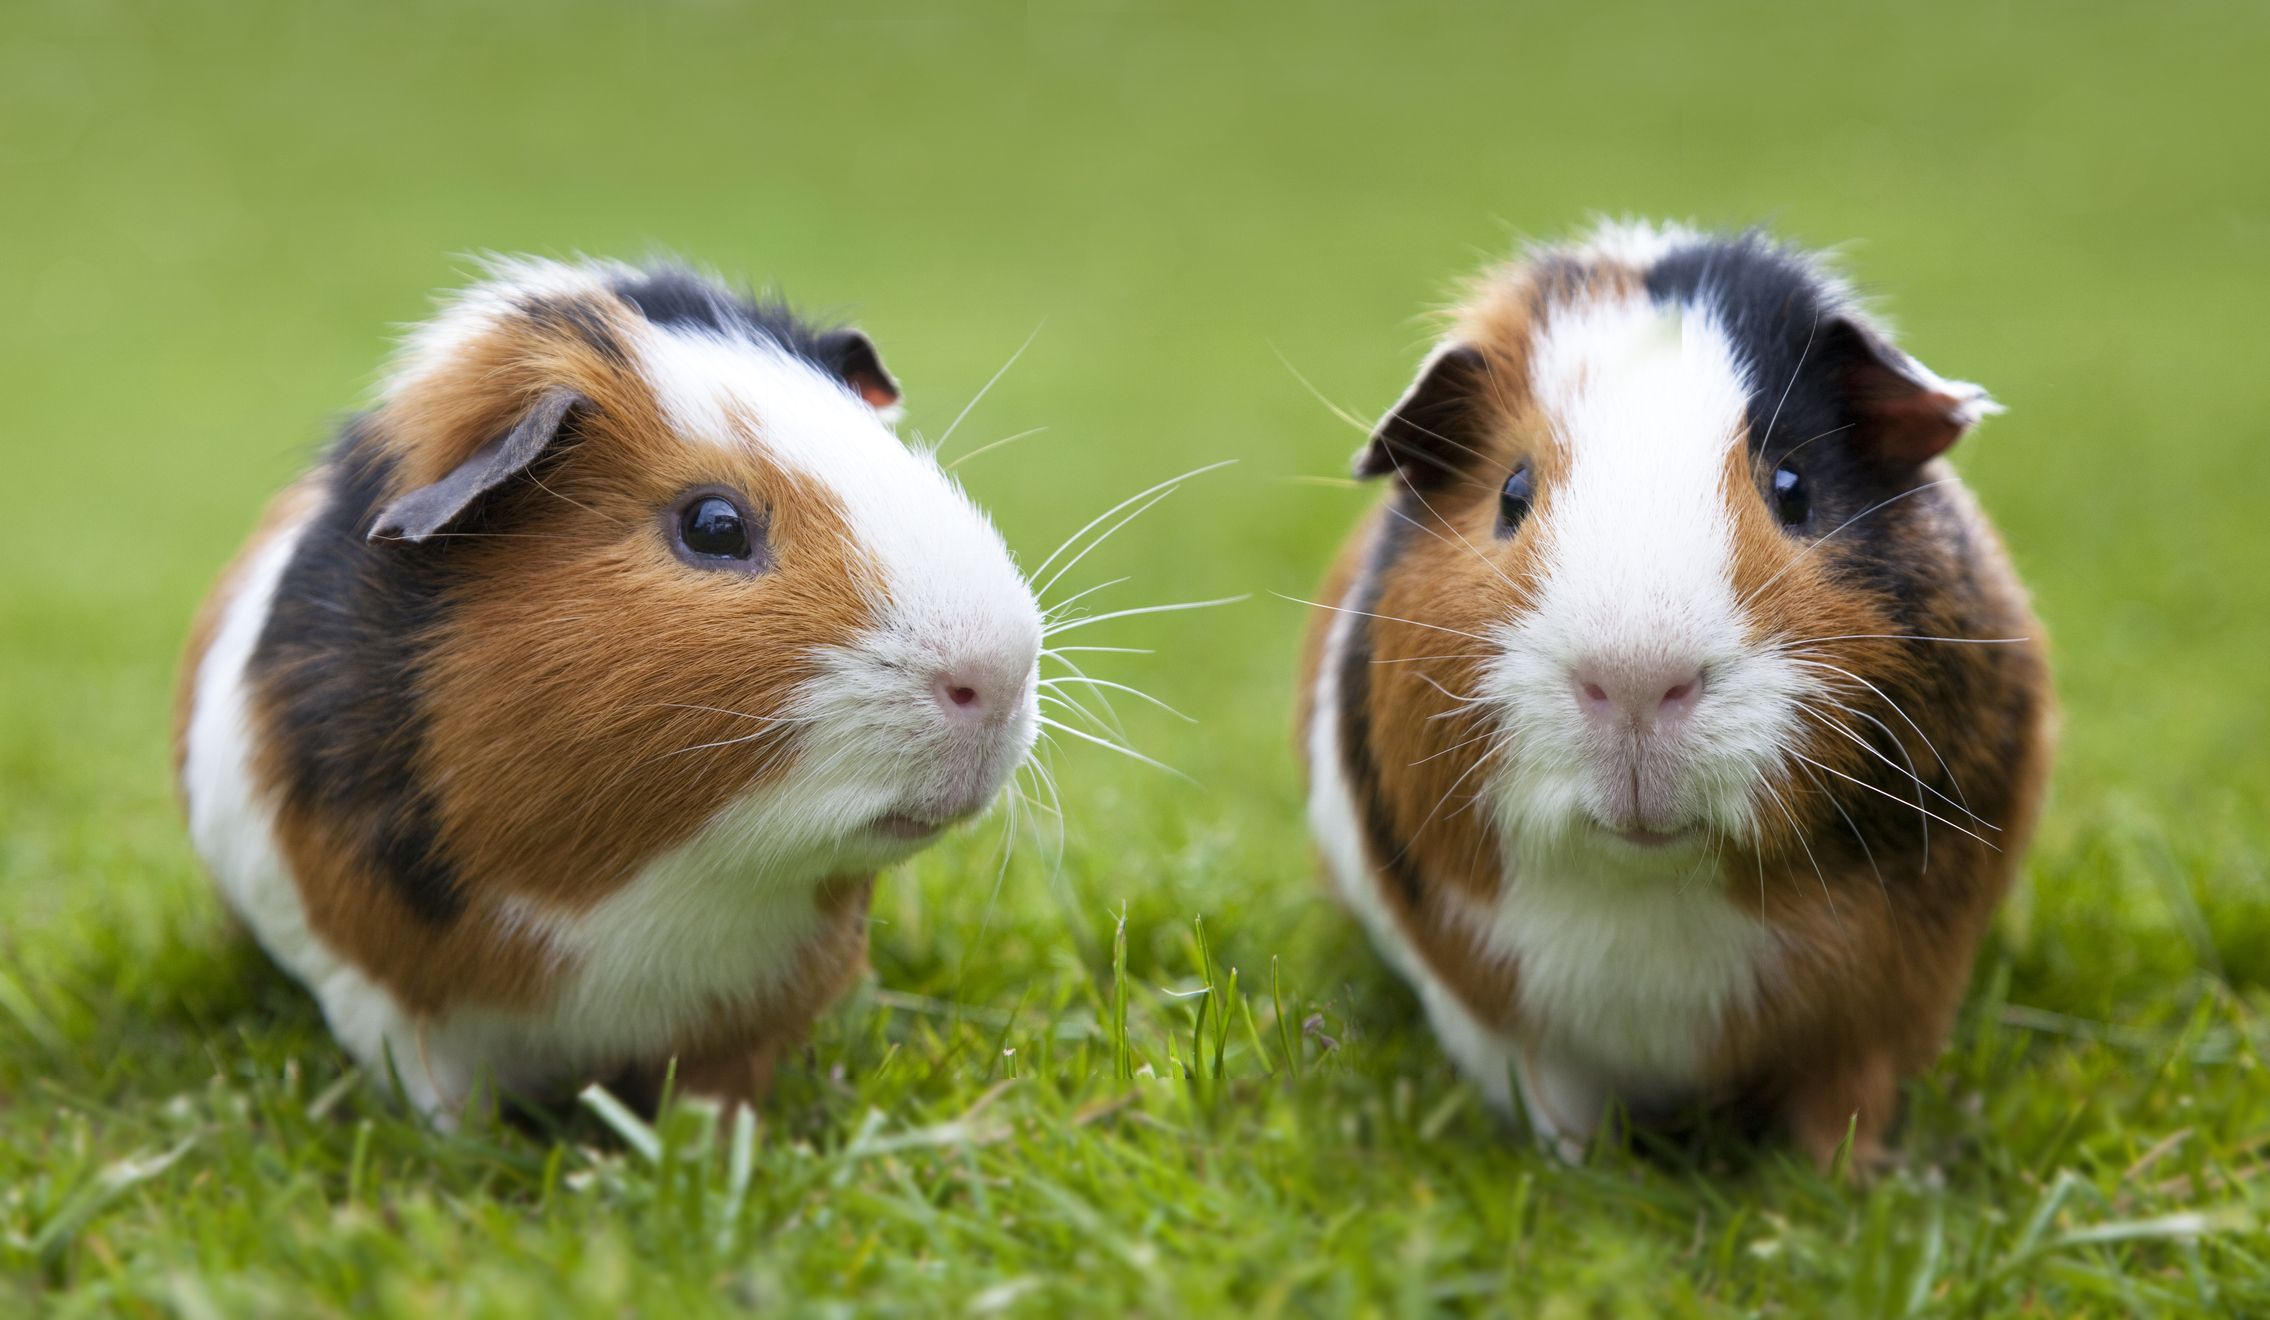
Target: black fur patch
(675, 297)
(1389, 851)
(338, 666)
(1787, 331)
(579, 318)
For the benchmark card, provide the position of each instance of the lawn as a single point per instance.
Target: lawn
(1145, 1067)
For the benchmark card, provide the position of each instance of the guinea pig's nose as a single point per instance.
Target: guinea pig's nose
(977, 690)
(1640, 696)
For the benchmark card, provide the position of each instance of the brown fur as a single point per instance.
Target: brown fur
(1874, 971)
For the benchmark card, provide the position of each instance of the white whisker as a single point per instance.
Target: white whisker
(1120, 687)
(1123, 751)
(1100, 518)
(1069, 624)
(1367, 614)
(979, 397)
(988, 448)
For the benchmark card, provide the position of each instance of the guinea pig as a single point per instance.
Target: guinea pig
(1676, 721)
(554, 726)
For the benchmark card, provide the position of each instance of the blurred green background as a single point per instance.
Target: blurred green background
(218, 214)
(215, 216)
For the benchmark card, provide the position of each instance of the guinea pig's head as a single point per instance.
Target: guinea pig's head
(681, 573)
(1666, 503)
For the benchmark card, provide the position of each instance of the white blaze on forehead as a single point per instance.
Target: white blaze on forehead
(1634, 244)
(1645, 402)
(944, 566)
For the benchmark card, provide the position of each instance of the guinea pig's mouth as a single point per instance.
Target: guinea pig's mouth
(1639, 836)
(913, 826)
(900, 825)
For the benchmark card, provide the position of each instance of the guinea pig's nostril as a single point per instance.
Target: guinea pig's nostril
(956, 696)
(1594, 692)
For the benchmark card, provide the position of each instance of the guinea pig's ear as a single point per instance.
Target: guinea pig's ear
(431, 509)
(852, 357)
(1907, 414)
(1437, 425)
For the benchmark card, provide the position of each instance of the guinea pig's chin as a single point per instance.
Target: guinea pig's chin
(1654, 810)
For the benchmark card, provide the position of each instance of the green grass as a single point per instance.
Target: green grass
(1162, 1075)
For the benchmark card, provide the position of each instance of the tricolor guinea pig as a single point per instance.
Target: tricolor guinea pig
(555, 725)
(1677, 721)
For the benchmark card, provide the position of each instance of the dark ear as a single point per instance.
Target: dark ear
(852, 357)
(1906, 414)
(1437, 426)
(430, 509)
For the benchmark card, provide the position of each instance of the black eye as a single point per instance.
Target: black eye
(712, 532)
(1791, 501)
(1513, 501)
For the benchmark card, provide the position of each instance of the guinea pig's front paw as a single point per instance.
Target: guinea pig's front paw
(1854, 1101)
(730, 1078)
(1563, 1100)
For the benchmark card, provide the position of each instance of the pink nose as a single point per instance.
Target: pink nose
(1639, 696)
(976, 690)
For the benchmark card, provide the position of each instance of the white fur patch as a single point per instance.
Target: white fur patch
(1633, 244)
(1637, 568)
(1629, 976)
(232, 828)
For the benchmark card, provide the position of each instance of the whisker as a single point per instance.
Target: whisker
(990, 447)
(1898, 710)
(1342, 609)
(979, 397)
(1335, 409)
(1119, 687)
(1466, 742)
(1798, 830)
(1902, 801)
(1753, 596)
(1907, 637)
(737, 714)
(1100, 518)
(1102, 696)
(1072, 705)
(1107, 533)
(1797, 371)
(1060, 606)
(1123, 751)
(1822, 435)
(1463, 776)
(1872, 750)
(1069, 624)
(1899, 933)
(1414, 659)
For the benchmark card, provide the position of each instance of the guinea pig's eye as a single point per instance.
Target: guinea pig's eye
(712, 530)
(1514, 499)
(1792, 503)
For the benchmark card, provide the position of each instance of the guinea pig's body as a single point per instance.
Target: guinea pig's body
(1677, 722)
(554, 727)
